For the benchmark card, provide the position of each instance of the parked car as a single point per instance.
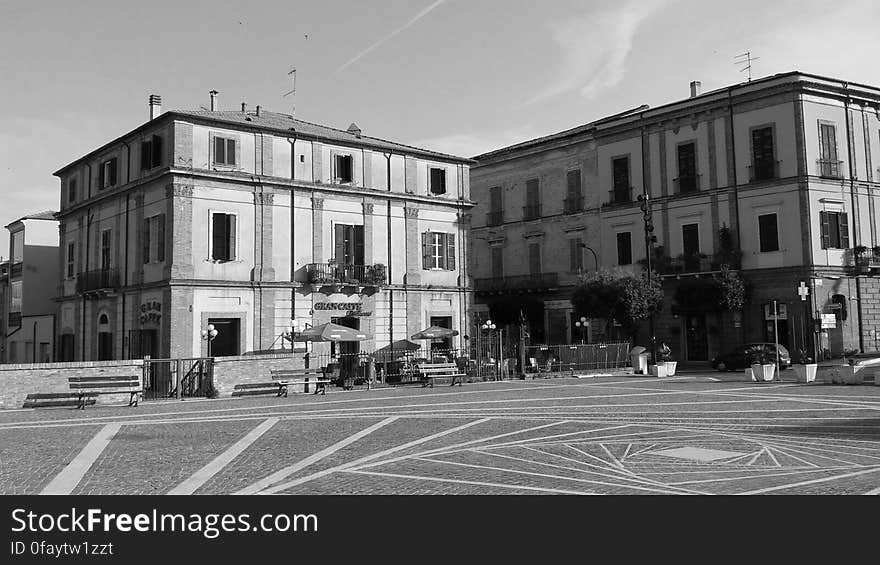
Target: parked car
(741, 357)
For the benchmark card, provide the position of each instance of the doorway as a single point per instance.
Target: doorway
(782, 330)
(347, 351)
(697, 337)
(227, 342)
(441, 346)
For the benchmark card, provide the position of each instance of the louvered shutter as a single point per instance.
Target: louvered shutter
(160, 238)
(219, 239)
(146, 159)
(843, 220)
(114, 163)
(232, 236)
(157, 151)
(231, 152)
(426, 251)
(339, 244)
(823, 153)
(450, 251)
(212, 147)
(101, 176)
(358, 235)
(146, 241)
(824, 230)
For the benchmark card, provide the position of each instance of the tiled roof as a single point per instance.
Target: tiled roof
(44, 215)
(287, 123)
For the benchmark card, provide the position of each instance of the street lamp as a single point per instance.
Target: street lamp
(650, 239)
(490, 326)
(582, 324)
(590, 249)
(208, 335)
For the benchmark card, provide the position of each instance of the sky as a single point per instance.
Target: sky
(458, 76)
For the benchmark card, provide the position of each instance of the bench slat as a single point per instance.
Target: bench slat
(103, 378)
(126, 386)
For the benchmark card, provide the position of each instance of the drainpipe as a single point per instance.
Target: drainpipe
(85, 270)
(292, 142)
(388, 269)
(850, 156)
(257, 283)
(125, 276)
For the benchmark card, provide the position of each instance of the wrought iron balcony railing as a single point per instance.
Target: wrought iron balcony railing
(694, 263)
(621, 195)
(15, 270)
(495, 218)
(763, 170)
(343, 274)
(830, 169)
(532, 212)
(105, 279)
(574, 204)
(685, 184)
(542, 281)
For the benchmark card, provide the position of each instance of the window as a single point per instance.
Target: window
(834, 230)
(690, 239)
(71, 190)
(574, 201)
(496, 207)
(532, 209)
(497, 262)
(343, 168)
(829, 166)
(624, 248)
(107, 173)
(67, 348)
(620, 176)
(223, 236)
(576, 254)
(348, 244)
(154, 239)
(534, 258)
(224, 151)
(763, 160)
(687, 167)
(17, 246)
(768, 233)
(438, 181)
(151, 153)
(45, 352)
(438, 251)
(71, 259)
(106, 246)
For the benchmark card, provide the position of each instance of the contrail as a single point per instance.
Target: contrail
(416, 18)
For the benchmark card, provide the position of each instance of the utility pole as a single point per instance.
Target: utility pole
(650, 238)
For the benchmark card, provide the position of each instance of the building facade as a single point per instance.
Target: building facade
(31, 280)
(252, 220)
(776, 178)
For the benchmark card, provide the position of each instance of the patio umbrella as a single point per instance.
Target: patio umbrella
(434, 332)
(395, 350)
(330, 332)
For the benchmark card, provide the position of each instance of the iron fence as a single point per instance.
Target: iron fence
(178, 378)
(579, 357)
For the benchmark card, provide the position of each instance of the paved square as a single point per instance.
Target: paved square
(606, 435)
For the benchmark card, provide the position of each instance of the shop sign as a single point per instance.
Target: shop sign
(151, 312)
(829, 321)
(353, 309)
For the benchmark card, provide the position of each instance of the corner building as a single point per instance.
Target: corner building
(777, 178)
(248, 220)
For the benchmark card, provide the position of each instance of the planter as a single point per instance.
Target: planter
(659, 370)
(670, 368)
(806, 373)
(763, 373)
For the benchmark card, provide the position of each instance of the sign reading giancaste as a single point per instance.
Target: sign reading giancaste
(351, 308)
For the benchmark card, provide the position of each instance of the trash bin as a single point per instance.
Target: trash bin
(638, 357)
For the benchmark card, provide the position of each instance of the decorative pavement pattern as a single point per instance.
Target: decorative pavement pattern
(604, 435)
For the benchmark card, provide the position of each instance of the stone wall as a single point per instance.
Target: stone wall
(247, 369)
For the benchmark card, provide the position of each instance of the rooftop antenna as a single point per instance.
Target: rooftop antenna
(746, 58)
(292, 93)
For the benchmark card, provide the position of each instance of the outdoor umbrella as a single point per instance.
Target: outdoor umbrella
(395, 350)
(330, 332)
(434, 332)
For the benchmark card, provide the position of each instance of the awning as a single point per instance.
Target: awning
(330, 332)
(395, 351)
(434, 332)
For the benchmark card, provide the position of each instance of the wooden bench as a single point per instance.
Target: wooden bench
(286, 377)
(88, 388)
(430, 371)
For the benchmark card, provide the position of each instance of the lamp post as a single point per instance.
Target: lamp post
(490, 326)
(590, 249)
(582, 324)
(208, 335)
(650, 238)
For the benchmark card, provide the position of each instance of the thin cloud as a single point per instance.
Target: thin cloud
(594, 48)
(416, 18)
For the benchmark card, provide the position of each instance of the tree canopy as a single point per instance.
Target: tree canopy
(626, 298)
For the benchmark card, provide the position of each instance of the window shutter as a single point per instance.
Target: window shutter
(146, 159)
(157, 151)
(160, 239)
(358, 233)
(844, 230)
(231, 236)
(101, 176)
(145, 240)
(231, 152)
(339, 243)
(218, 237)
(450, 251)
(823, 153)
(426, 251)
(212, 147)
(114, 162)
(826, 236)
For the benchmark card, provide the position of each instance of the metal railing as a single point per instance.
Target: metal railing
(686, 184)
(532, 212)
(830, 169)
(15, 270)
(340, 273)
(495, 218)
(574, 204)
(540, 281)
(576, 357)
(178, 378)
(763, 170)
(97, 280)
(620, 195)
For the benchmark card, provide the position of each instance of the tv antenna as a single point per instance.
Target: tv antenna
(292, 93)
(746, 58)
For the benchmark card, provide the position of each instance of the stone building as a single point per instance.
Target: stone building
(249, 220)
(776, 178)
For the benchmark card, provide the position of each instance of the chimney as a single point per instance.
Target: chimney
(215, 104)
(155, 106)
(258, 110)
(244, 106)
(695, 88)
(353, 128)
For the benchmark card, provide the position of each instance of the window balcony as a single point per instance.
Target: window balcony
(573, 204)
(102, 281)
(830, 169)
(532, 212)
(763, 170)
(517, 284)
(865, 259)
(692, 263)
(14, 320)
(685, 185)
(336, 274)
(495, 218)
(621, 195)
(15, 270)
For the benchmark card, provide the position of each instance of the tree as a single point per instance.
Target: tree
(732, 289)
(626, 298)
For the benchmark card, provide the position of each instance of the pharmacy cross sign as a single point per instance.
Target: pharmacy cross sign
(803, 291)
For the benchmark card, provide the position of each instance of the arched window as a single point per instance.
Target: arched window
(103, 320)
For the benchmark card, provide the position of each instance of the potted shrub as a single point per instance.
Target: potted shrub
(804, 368)
(763, 365)
(860, 255)
(665, 355)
